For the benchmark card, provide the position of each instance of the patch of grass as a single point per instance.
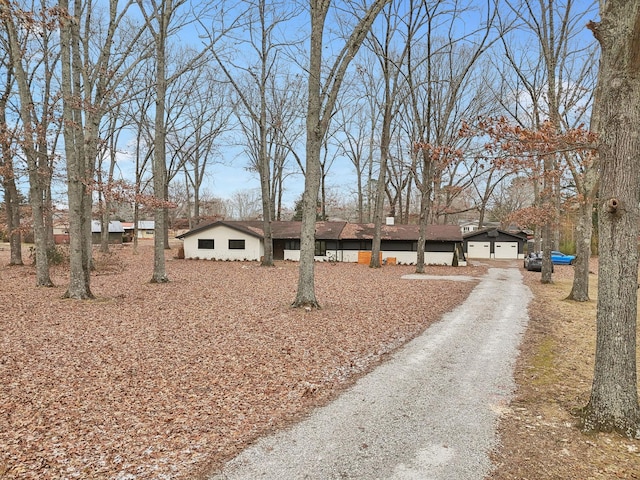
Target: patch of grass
(543, 363)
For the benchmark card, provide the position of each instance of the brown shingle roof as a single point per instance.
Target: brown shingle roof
(279, 230)
(364, 231)
(339, 230)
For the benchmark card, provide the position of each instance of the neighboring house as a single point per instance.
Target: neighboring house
(116, 231)
(467, 227)
(61, 232)
(494, 243)
(335, 241)
(146, 229)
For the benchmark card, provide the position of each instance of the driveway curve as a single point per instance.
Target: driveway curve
(428, 413)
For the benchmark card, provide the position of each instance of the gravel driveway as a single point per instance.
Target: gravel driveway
(428, 413)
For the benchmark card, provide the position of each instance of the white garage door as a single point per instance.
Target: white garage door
(506, 250)
(479, 250)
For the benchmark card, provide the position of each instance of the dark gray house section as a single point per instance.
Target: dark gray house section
(494, 243)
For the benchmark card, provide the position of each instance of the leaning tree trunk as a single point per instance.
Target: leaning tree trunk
(613, 405)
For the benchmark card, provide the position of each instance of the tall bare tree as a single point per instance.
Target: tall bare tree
(159, 19)
(7, 170)
(613, 405)
(208, 118)
(438, 96)
(108, 147)
(354, 143)
(89, 78)
(565, 63)
(35, 125)
(391, 68)
(322, 96)
(263, 20)
(164, 18)
(138, 114)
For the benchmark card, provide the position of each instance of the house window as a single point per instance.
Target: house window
(292, 245)
(205, 244)
(321, 248)
(236, 244)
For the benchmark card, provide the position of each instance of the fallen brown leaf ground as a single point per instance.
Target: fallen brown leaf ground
(166, 381)
(540, 438)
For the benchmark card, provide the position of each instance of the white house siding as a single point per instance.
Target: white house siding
(411, 258)
(254, 250)
(402, 257)
(438, 258)
(294, 255)
(350, 256)
(221, 235)
(405, 258)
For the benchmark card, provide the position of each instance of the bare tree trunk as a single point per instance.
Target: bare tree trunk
(48, 200)
(318, 117)
(390, 74)
(165, 212)
(265, 176)
(33, 156)
(11, 197)
(306, 296)
(78, 176)
(12, 204)
(159, 163)
(613, 405)
(378, 211)
(425, 209)
(136, 221)
(584, 228)
(547, 227)
(425, 206)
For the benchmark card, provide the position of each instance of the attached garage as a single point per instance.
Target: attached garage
(494, 243)
(479, 250)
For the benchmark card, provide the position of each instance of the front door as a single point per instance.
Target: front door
(278, 249)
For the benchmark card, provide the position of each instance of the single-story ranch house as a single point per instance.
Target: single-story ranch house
(335, 241)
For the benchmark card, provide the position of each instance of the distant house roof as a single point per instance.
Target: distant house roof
(142, 225)
(338, 230)
(146, 225)
(115, 226)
